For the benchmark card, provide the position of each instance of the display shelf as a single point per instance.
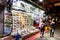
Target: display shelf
(23, 19)
(7, 22)
(24, 22)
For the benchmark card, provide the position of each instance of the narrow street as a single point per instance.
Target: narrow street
(37, 36)
(47, 35)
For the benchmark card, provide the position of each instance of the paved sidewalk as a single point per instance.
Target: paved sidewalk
(47, 36)
(36, 37)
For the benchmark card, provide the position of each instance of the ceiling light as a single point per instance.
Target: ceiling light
(41, 0)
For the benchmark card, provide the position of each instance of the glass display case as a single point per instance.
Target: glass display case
(22, 19)
(21, 22)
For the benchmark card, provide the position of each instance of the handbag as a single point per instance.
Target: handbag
(47, 28)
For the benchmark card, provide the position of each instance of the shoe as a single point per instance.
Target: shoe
(40, 36)
(52, 36)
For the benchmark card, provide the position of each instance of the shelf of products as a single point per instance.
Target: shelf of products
(7, 22)
(22, 20)
(21, 23)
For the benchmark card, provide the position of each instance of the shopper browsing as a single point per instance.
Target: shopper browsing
(42, 28)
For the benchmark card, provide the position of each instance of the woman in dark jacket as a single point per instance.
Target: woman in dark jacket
(52, 24)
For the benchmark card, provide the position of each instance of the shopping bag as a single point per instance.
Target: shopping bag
(47, 28)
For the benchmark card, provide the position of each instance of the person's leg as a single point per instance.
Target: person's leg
(51, 32)
(41, 33)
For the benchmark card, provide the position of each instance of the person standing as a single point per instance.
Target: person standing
(42, 28)
(52, 25)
